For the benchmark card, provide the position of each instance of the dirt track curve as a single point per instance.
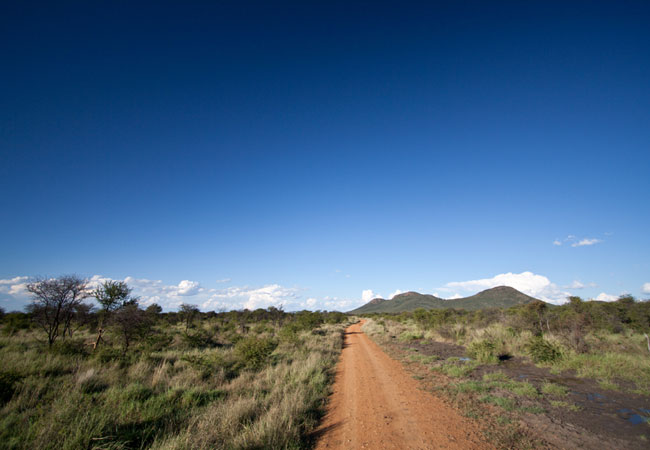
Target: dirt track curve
(375, 404)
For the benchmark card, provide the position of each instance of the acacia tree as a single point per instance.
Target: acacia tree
(112, 296)
(188, 313)
(55, 301)
(131, 322)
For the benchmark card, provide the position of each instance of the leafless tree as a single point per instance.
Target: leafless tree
(131, 322)
(54, 303)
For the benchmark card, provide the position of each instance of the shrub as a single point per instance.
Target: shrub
(254, 352)
(484, 351)
(540, 350)
(109, 354)
(7, 386)
(410, 336)
(71, 348)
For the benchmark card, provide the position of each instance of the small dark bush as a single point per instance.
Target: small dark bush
(541, 350)
(109, 354)
(8, 382)
(199, 339)
(71, 347)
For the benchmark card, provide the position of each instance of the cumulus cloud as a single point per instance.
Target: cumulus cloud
(557, 242)
(15, 287)
(253, 298)
(586, 242)
(454, 297)
(603, 297)
(187, 287)
(646, 288)
(397, 292)
(537, 286)
(367, 295)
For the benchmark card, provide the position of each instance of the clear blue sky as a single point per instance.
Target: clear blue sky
(253, 153)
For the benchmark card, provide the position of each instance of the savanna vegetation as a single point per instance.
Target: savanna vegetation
(121, 376)
(605, 341)
(524, 360)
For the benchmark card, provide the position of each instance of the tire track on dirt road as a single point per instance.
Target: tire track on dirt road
(375, 404)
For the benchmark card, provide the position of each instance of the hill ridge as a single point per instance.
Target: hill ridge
(496, 297)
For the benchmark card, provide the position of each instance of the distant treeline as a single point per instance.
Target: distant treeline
(572, 319)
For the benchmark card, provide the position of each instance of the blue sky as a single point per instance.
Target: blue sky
(316, 155)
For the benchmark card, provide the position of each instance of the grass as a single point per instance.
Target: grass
(253, 391)
(608, 367)
(506, 403)
(554, 389)
(565, 405)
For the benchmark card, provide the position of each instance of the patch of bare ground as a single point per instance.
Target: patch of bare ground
(566, 411)
(376, 404)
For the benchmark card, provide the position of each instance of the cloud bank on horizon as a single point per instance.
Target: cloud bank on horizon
(13, 293)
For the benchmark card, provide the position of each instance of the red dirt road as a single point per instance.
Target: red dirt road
(375, 404)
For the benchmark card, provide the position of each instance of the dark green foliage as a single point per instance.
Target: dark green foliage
(199, 339)
(71, 347)
(106, 355)
(541, 350)
(254, 352)
(14, 322)
(8, 381)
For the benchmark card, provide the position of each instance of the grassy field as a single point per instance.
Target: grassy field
(229, 380)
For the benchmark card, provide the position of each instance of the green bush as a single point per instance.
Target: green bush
(109, 354)
(254, 352)
(289, 333)
(484, 351)
(71, 347)
(540, 350)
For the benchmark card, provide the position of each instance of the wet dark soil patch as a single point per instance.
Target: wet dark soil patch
(612, 416)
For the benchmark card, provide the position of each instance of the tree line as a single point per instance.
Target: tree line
(60, 306)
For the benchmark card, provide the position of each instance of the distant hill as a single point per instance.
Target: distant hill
(498, 297)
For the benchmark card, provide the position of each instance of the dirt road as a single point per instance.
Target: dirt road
(376, 405)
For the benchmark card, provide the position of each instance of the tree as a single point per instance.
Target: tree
(188, 313)
(112, 296)
(54, 303)
(154, 309)
(131, 322)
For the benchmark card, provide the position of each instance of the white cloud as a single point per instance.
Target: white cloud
(585, 242)
(556, 242)
(397, 292)
(252, 298)
(368, 295)
(576, 285)
(187, 287)
(15, 287)
(606, 297)
(455, 296)
(223, 280)
(537, 286)
(646, 288)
